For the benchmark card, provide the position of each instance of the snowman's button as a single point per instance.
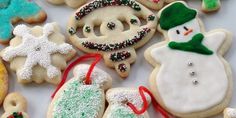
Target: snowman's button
(190, 63)
(195, 82)
(192, 73)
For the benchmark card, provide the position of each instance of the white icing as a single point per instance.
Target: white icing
(182, 91)
(231, 113)
(38, 50)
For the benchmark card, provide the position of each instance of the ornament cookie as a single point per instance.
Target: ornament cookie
(191, 78)
(116, 44)
(77, 99)
(155, 4)
(210, 5)
(3, 82)
(118, 99)
(38, 53)
(15, 106)
(230, 113)
(27, 10)
(70, 3)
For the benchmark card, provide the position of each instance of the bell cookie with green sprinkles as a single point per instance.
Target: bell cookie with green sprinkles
(111, 18)
(118, 99)
(155, 4)
(70, 3)
(15, 106)
(210, 5)
(191, 78)
(27, 11)
(75, 99)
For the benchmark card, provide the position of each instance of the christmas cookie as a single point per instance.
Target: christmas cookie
(15, 106)
(155, 4)
(230, 113)
(12, 11)
(116, 44)
(76, 99)
(38, 53)
(118, 99)
(191, 78)
(3, 82)
(70, 3)
(210, 5)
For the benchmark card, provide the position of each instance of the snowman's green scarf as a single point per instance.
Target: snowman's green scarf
(194, 45)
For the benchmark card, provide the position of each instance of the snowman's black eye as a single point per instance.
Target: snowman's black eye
(185, 28)
(177, 31)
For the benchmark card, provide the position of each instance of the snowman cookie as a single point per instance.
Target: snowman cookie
(12, 11)
(230, 113)
(3, 82)
(118, 99)
(76, 99)
(15, 106)
(191, 78)
(210, 5)
(155, 4)
(116, 44)
(70, 3)
(38, 53)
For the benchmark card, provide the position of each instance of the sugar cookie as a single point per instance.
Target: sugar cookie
(27, 10)
(191, 78)
(75, 99)
(3, 82)
(155, 4)
(38, 53)
(230, 113)
(70, 3)
(15, 106)
(118, 99)
(115, 44)
(210, 5)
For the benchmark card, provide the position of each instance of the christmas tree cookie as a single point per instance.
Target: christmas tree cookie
(70, 3)
(115, 43)
(38, 53)
(210, 5)
(75, 99)
(191, 78)
(118, 99)
(15, 106)
(12, 11)
(155, 4)
(3, 82)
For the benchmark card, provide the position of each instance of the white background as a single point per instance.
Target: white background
(38, 96)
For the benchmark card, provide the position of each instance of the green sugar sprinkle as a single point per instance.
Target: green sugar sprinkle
(119, 111)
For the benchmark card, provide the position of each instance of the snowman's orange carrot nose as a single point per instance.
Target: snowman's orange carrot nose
(188, 32)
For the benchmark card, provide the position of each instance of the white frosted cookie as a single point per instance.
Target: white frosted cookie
(210, 5)
(75, 99)
(38, 53)
(70, 3)
(15, 106)
(116, 44)
(230, 113)
(155, 4)
(191, 78)
(118, 99)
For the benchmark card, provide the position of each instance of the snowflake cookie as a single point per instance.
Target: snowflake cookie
(38, 53)
(155, 4)
(70, 3)
(191, 78)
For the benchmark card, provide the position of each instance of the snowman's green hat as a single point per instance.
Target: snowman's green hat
(176, 14)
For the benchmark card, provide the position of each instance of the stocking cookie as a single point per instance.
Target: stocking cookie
(38, 53)
(155, 4)
(229, 113)
(210, 5)
(191, 78)
(15, 106)
(3, 82)
(76, 99)
(118, 99)
(27, 10)
(70, 3)
(115, 44)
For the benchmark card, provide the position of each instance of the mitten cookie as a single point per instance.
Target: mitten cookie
(38, 53)
(3, 82)
(191, 78)
(118, 99)
(12, 11)
(116, 44)
(155, 4)
(70, 3)
(230, 113)
(15, 106)
(75, 99)
(210, 5)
